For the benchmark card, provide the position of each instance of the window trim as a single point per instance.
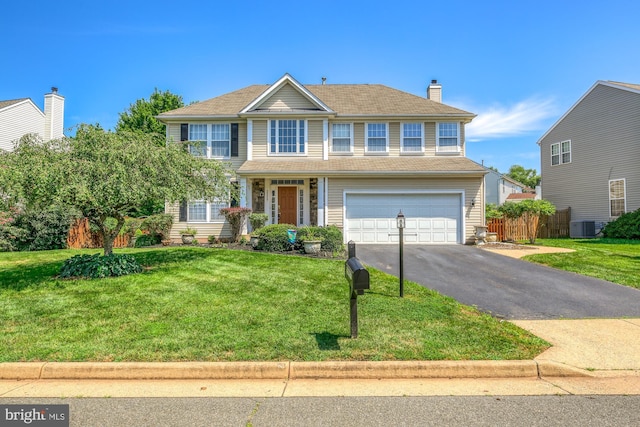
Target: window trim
(208, 216)
(297, 152)
(624, 196)
(458, 146)
(209, 140)
(366, 138)
(402, 138)
(560, 153)
(350, 151)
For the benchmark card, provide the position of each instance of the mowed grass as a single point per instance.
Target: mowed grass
(201, 304)
(615, 260)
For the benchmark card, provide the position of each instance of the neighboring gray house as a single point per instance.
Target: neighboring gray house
(498, 187)
(19, 117)
(591, 157)
(350, 155)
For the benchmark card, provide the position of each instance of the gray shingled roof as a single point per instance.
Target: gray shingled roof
(5, 104)
(345, 100)
(351, 166)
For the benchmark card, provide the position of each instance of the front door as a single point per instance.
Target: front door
(287, 205)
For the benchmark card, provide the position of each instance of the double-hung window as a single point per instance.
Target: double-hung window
(341, 138)
(377, 138)
(411, 138)
(202, 211)
(561, 153)
(617, 197)
(211, 141)
(198, 140)
(287, 136)
(448, 138)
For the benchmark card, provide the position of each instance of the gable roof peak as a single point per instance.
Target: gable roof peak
(281, 82)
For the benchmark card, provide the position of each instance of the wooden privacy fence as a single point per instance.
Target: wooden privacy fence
(551, 226)
(80, 236)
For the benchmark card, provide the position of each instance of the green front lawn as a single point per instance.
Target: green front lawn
(203, 304)
(614, 260)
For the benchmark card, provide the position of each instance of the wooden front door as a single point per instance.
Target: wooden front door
(287, 205)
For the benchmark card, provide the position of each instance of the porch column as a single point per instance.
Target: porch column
(243, 200)
(321, 202)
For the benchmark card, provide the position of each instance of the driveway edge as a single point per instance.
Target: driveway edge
(285, 370)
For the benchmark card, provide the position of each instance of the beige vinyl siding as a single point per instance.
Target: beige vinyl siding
(260, 144)
(430, 138)
(287, 99)
(204, 230)
(471, 186)
(358, 139)
(314, 139)
(18, 120)
(605, 144)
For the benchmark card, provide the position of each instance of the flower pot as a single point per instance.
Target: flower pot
(165, 242)
(253, 241)
(312, 246)
(187, 239)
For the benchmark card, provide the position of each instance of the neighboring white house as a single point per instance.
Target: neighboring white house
(19, 117)
(499, 187)
(349, 155)
(591, 157)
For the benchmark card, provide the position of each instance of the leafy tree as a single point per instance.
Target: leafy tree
(528, 177)
(107, 176)
(530, 210)
(140, 117)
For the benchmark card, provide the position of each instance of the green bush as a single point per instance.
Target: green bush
(147, 240)
(98, 266)
(258, 220)
(274, 238)
(44, 229)
(10, 235)
(331, 237)
(159, 225)
(627, 226)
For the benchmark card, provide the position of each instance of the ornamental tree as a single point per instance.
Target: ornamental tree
(141, 115)
(108, 176)
(530, 210)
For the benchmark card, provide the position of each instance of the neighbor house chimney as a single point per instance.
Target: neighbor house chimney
(53, 115)
(434, 91)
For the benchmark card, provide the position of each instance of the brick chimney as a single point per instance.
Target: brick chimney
(434, 91)
(53, 115)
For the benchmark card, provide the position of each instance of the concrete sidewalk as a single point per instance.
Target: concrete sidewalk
(593, 356)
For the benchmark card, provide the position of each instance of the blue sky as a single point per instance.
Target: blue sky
(518, 65)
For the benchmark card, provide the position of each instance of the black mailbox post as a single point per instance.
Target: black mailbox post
(358, 278)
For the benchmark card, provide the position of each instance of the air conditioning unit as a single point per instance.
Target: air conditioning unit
(582, 229)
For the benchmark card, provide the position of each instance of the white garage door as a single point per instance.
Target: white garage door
(430, 218)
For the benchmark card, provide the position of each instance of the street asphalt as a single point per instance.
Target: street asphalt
(502, 286)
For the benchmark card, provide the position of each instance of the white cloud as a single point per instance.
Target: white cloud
(507, 121)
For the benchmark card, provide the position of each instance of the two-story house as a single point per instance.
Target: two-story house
(499, 187)
(350, 155)
(19, 117)
(591, 157)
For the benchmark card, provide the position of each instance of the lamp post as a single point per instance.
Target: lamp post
(400, 222)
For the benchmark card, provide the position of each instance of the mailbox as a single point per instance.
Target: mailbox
(356, 275)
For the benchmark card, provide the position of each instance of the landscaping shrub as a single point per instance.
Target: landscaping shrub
(236, 217)
(147, 240)
(331, 237)
(258, 220)
(273, 238)
(159, 225)
(627, 226)
(45, 229)
(10, 235)
(99, 266)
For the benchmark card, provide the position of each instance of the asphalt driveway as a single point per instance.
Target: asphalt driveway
(502, 286)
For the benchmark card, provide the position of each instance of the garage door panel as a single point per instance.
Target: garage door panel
(431, 218)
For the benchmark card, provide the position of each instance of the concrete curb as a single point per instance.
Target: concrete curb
(286, 370)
